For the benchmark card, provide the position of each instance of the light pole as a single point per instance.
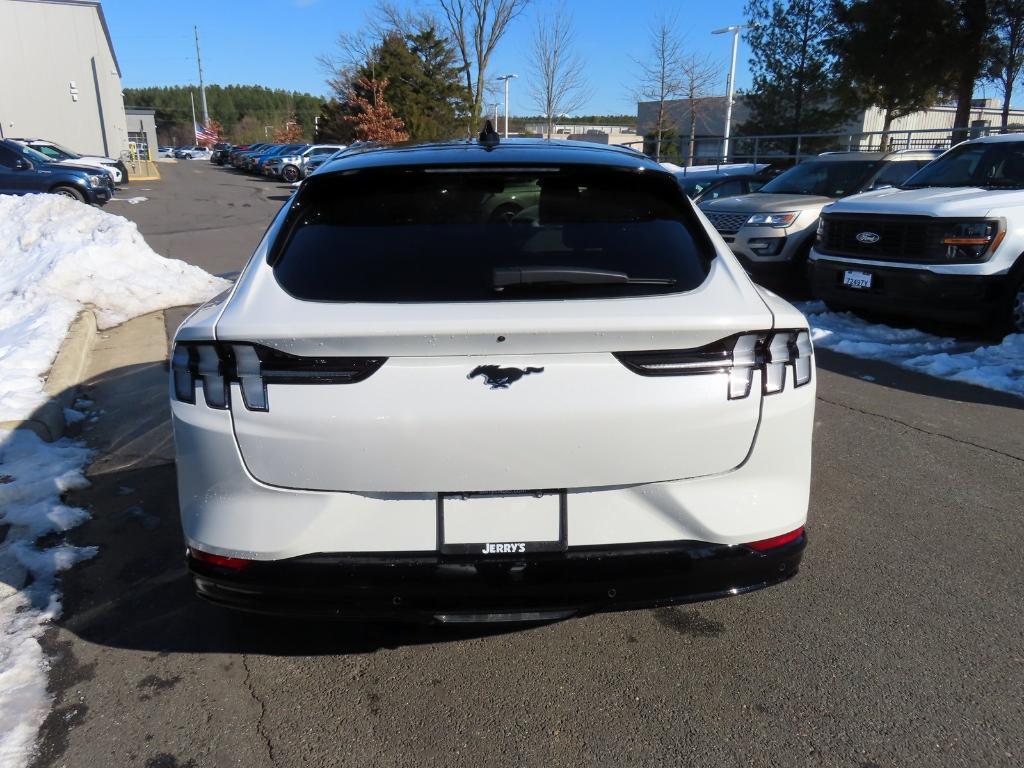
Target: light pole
(735, 29)
(506, 78)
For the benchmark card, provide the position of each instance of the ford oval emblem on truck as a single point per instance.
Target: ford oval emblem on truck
(868, 238)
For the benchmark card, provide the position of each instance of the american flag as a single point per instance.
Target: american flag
(204, 134)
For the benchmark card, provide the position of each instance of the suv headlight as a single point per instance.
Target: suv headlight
(97, 181)
(772, 219)
(970, 239)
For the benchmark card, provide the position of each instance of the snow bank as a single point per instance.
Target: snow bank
(997, 366)
(58, 256)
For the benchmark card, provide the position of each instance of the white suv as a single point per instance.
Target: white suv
(466, 382)
(945, 245)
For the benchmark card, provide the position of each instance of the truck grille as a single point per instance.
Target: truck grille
(905, 239)
(727, 223)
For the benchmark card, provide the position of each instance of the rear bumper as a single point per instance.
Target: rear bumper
(909, 291)
(433, 588)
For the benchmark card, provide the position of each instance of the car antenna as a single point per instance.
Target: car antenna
(488, 136)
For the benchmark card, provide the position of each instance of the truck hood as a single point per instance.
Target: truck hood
(759, 202)
(930, 201)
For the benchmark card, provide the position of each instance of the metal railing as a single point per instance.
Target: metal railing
(791, 148)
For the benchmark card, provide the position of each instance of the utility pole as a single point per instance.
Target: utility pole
(202, 88)
(506, 78)
(731, 85)
(192, 98)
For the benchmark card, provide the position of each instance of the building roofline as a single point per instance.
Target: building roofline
(103, 22)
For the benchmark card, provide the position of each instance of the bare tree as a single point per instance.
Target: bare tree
(557, 82)
(476, 27)
(699, 75)
(660, 75)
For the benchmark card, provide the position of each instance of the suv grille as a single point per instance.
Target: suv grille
(727, 223)
(915, 239)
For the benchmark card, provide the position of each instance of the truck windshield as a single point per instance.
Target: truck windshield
(986, 164)
(479, 234)
(823, 178)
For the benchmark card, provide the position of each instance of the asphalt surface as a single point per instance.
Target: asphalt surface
(900, 643)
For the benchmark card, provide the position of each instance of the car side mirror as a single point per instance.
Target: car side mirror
(21, 164)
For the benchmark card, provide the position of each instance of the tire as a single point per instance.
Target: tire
(1013, 317)
(124, 172)
(290, 173)
(66, 191)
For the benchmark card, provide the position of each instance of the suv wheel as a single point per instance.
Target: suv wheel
(1016, 323)
(290, 173)
(71, 192)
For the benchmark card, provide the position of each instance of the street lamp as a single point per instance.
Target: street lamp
(735, 29)
(506, 78)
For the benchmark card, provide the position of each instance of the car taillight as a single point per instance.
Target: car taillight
(219, 561)
(217, 365)
(771, 352)
(764, 545)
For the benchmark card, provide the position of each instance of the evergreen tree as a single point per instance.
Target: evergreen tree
(794, 83)
(887, 58)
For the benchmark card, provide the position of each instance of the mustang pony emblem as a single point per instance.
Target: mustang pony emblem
(501, 378)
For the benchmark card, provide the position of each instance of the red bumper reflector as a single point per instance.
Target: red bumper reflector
(220, 561)
(775, 541)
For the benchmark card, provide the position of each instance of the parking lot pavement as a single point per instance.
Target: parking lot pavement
(899, 643)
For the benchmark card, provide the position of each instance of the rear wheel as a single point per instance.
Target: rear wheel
(71, 192)
(1015, 315)
(290, 173)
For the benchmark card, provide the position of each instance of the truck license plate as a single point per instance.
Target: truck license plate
(855, 279)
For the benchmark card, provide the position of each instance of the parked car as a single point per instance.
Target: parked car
(260, 166)
(288, 166)
(219, 153)
(945, 244)
(165, 151)
(195, 152)
(711, 182)
(477, 383)
(773, 228)
(249, 159)
(24, 171)
(59, 154)
(239, 152)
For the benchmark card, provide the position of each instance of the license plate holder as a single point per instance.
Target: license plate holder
(858, 280)
(502, 523)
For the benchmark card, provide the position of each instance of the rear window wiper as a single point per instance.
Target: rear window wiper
(505, 277)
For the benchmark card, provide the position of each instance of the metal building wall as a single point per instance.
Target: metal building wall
(60, 79)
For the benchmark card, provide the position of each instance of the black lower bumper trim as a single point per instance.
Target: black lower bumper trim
(451, 589)
(912, 292)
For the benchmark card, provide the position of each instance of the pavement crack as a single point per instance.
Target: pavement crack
(260, 721)
(921, 429)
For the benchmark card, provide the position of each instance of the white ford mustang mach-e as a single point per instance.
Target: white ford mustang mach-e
(480, 382)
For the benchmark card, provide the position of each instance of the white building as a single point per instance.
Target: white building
(60, 78)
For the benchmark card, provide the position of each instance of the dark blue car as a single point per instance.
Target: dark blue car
(24, 171)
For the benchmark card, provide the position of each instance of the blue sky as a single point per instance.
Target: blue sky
(275, 42)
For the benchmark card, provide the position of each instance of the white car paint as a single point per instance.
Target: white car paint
(358, 468)
(107, 164)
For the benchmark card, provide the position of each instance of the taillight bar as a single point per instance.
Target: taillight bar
(771, 352)
(252, 367)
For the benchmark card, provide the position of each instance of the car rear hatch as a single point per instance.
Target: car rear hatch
(520, 329)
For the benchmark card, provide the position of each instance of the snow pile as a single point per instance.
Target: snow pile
(33, 475)
(997, 366)
(58, 256)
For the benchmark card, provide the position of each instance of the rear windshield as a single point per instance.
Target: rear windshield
(823, 178)
(457, 234)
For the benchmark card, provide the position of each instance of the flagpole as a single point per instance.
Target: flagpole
(194, 131)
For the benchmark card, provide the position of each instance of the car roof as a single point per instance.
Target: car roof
(514, 151)
(902, 154)
(997, 138)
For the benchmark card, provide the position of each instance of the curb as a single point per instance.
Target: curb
(66, 373)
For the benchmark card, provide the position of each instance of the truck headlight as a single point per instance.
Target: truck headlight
(772, 219)
(970, 239)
